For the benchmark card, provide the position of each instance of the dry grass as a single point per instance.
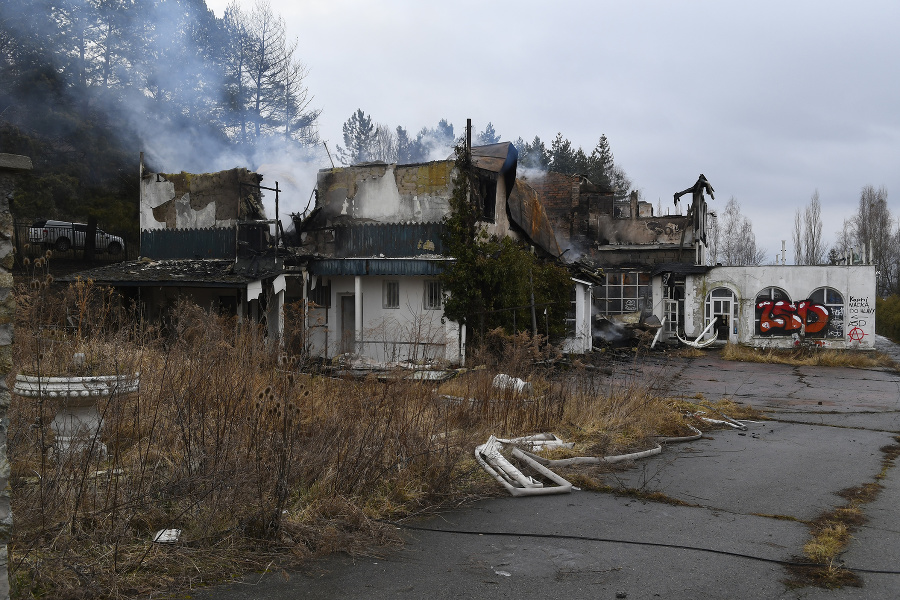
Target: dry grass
(809, 357)
(719, 408)
(254, 460)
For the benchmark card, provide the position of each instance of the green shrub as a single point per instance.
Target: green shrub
(887, 317)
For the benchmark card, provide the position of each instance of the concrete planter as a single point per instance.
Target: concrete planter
(77, 418)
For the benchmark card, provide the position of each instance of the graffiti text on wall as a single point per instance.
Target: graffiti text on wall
(777, 317)
(860, 314)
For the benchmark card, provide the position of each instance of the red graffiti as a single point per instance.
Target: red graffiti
(856, 334)
(785, 317)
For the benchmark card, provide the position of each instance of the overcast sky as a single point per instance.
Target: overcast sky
(770, 100)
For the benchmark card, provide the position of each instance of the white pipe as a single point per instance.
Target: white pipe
(539, 440)
(734, 423)
(685, 438)
(595, 460)
(722, 422)
(490, 451)
(662, 324)
(487, 456)
(697, 343)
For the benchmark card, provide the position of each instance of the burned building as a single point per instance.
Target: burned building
(370, 252)
(656, 270)
(204, 237)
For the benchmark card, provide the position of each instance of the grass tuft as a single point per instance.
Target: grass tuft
(809, 357)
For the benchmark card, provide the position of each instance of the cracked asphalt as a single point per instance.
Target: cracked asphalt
(749, 494)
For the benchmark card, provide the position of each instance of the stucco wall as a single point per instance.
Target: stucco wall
(193, 201)
(408, 332)
(386, 193)
(855, 318)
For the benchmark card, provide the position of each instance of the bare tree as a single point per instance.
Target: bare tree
(798, 238)
(738, 242)
(843, 241)
(814, 250)
(384, 144)
(876, 231)
(299, 118)
(809, 248)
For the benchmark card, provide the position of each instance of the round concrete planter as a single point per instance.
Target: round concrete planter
(77, 418)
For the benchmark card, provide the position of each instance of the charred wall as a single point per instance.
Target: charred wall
(193, 201)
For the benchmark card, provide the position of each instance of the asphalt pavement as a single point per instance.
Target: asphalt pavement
(746, 494)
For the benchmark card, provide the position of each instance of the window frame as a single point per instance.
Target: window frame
(433, 295)
(390, 294)
(836, 312)
(631, 292)
(768, 294)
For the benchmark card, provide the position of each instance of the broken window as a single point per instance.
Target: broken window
(320, 295)
(390, 291)
(432, 295)
(623, 292)
(486, 191)
(722, 305)
(673, 294)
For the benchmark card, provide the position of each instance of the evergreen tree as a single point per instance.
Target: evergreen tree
(488, 136)
(535, 155)
(602, 164)
(359, 139)
(562, 156)
(491, 274)
(407, 150)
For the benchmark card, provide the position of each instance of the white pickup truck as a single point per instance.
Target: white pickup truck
(64, 235)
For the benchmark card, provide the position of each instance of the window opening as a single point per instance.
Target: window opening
(321, 294)
(623, 292)
(391, 294)
(770, 302)
(722, 304)
(432, 295)
(827, 303)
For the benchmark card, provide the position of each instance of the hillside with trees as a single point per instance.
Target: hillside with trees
(89, 84)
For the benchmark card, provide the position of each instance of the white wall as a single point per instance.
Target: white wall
(855, 283)
(407, 333)
(582, 340)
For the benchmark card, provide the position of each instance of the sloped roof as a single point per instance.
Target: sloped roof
(527, 212)
(165, 273)
(679, 268)
(499, 158)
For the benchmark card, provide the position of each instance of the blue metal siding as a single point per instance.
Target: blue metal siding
(218, 242)
(378, 266)
(388, 239)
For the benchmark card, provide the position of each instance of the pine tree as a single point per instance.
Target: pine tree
(602, 164)
(535, 155)
(488, 136)
(562, 157)
(359, 139)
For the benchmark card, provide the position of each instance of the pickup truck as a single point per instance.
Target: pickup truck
(64, 235)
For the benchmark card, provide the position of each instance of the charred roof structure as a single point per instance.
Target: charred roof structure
(204, 236)
(378, 210)
(371, 249)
